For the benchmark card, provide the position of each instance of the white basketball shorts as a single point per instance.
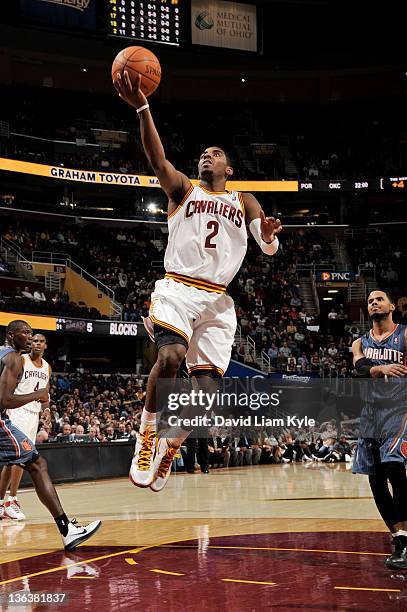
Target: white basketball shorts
(205, 319)
(26, 421)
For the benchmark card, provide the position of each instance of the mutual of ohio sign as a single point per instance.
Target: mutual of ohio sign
(224, 24)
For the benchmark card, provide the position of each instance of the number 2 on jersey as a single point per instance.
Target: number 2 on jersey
(214, 226)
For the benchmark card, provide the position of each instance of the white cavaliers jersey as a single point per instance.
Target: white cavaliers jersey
(32, 379)
(207, 237)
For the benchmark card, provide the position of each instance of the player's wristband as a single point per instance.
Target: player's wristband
(269, 248)
(142, 108)
(363, 367)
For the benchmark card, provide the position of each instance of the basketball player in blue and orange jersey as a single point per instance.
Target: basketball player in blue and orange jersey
(193, 316)
(382, 449)
(16, 448)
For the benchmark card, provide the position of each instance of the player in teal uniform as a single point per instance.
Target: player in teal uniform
(382, 448)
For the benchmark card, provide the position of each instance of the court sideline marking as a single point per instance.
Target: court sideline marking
(170, 545)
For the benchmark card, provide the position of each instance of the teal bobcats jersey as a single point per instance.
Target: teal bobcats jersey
(4, 350)
(391, 349)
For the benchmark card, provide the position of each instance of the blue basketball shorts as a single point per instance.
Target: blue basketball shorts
(15, 446)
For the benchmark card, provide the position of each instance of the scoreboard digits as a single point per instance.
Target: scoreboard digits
(156, 21)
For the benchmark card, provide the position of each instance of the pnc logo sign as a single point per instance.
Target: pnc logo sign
(338, 277)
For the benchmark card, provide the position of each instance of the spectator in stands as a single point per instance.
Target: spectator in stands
(42, 437)
(219, 454)
(66, 433)
(249, 449)
(271, 452)
(121, 433)
(231, 444)
(332, 315)
(343, 447)
(108, 434)
(273, 354)
(80, 430)
(39, 296)
(27, 293)
(93, 435)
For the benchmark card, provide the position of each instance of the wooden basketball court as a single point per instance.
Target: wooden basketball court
(284, 537)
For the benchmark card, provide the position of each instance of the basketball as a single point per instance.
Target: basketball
(138, 60)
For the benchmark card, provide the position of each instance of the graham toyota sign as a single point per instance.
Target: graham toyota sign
(230, 25)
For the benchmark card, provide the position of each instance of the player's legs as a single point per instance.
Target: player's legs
(10, 508)
(169, 359)
(368, 461)
(38, 471)
(4, 485)
(383, 499)
(385, 462)
(168, 446)
(16, 449)
(172, 311)
(207, 357)
(396, 473)
(16, 476)
(5, 479)
(72, 535)
(26, 421)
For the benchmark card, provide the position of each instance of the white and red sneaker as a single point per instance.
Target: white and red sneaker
(142, 467)
(2, 511)
(162, 464)
(13, 511)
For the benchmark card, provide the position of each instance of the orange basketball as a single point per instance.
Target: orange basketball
(138, 60)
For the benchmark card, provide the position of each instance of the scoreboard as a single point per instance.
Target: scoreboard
(157, 21)
(359, 185)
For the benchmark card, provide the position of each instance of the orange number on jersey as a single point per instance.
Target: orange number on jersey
(214, 226)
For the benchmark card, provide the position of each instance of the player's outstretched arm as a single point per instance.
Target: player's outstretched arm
(9, 381)
(264, 229)
(174, 183)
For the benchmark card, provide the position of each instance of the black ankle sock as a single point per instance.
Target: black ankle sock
(62, 524)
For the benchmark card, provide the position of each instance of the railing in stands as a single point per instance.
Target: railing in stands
(315, 294)
(363, 325)
(357, 292)
(313, 267)
(12, 253)
(64, 259)
(368, 272)
(263, 360)
(10, 247)
(4, 129)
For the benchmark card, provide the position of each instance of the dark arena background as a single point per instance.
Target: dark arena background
(310, 102)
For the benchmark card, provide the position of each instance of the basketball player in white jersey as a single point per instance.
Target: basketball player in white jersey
(193, 316)
(36, 375)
